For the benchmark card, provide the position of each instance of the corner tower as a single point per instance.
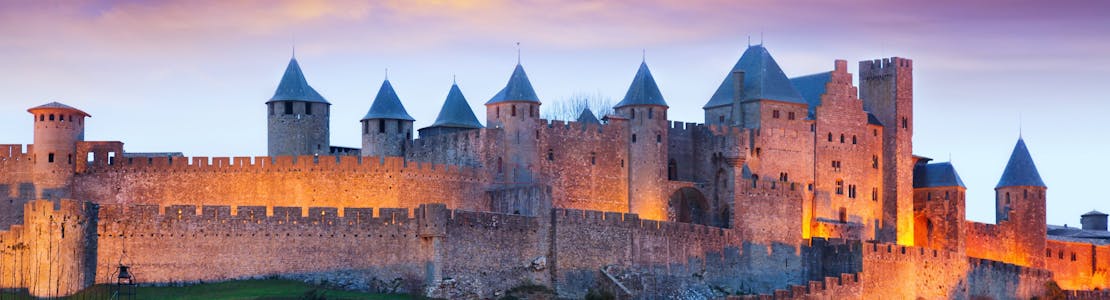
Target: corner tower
(939, 206)
(1020, 203)
(646, 111)
(297, 117)
(886, 88)
(515, 111)
(58, 128)
(387, 127)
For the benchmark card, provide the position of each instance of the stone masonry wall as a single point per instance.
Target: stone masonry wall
(17, 183)
(305, 181)
(48, 254)
(1077, 265)
(587, 165)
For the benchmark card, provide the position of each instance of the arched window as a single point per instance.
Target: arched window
(42, 118)
(841, 138)
(830, 136)
(672, 170)
(513, 113)
(658, 138)
(52, 117)
(853, 140)
(550, 154)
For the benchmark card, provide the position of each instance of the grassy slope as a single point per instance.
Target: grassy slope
(243, 289)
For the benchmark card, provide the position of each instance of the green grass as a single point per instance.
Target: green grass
(231, 290)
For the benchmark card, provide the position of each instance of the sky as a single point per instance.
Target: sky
(193, 76)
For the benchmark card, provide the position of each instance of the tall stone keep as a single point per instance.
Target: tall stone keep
(1020, 204)
(297, 117)
(58, 128)
(387, 127)
(646, 111)
(515, 111)
(886, 88)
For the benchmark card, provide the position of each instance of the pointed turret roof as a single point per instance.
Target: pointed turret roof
(518, 89)
(387, 105)
(587, 117)
(1020, 170)
(643, 90)
(57, 105)
(763, 79)
(456, 111)
(294, 87)
(941, 174)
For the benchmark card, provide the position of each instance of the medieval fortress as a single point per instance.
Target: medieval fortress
(792, 188)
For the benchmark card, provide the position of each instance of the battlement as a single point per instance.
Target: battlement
(560, 126)
(884, 65)
(276, 215)
(633, 221)
(8, 151)
(455, 138)
(976, 263)
(843, 286)
(283, 164)
(895, 251)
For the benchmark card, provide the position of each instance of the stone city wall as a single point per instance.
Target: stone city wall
(48, 254)
(1078, 265)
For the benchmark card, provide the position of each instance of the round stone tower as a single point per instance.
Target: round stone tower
(297, 117)
(1020, 206)
(387, 127)
(646, 111)
(58, 128)
(515, 110)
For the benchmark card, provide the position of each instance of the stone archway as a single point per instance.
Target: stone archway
(688, 205)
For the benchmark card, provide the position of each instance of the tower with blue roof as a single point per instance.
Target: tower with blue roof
(454, 116)
(297, 117)
(387, 126)
(939, 201)
(515, 113)
(646, 111)
(1020, 206)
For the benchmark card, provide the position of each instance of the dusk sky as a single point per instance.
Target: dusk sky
(193, 76)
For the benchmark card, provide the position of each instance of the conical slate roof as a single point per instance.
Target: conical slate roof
(387, 105)
(936, 175)
(763, 79)
(294, 87)
(456, 112)
(518, 89)
(587, 117)
(643, 90)
(1020, 171)
(57, 105)
(1093, 213)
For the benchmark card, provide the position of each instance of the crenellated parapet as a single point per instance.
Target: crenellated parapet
(329, 163)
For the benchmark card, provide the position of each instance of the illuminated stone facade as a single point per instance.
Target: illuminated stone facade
(798, 187)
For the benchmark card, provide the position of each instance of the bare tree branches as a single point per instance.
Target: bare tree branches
(568, 109)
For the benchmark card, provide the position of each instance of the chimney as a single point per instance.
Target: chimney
(1093, 220)
(738, 86)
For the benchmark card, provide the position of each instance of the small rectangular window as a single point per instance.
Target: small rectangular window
(50, 158)
(775, 114)
(381, 126)
(790, 115)
(307, 108)
(288, 108)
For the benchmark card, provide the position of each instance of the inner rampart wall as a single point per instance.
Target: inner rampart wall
(1078, 265)
(585, 165)
(305, 181)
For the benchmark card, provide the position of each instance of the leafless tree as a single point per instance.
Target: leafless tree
(568, 109)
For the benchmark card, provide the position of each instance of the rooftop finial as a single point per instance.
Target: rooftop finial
(749, 40)
(454, 79)
(643, 55)
(386, 73)
(761, 37)
(293, 44)
(518, 53)
(1019, 125)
